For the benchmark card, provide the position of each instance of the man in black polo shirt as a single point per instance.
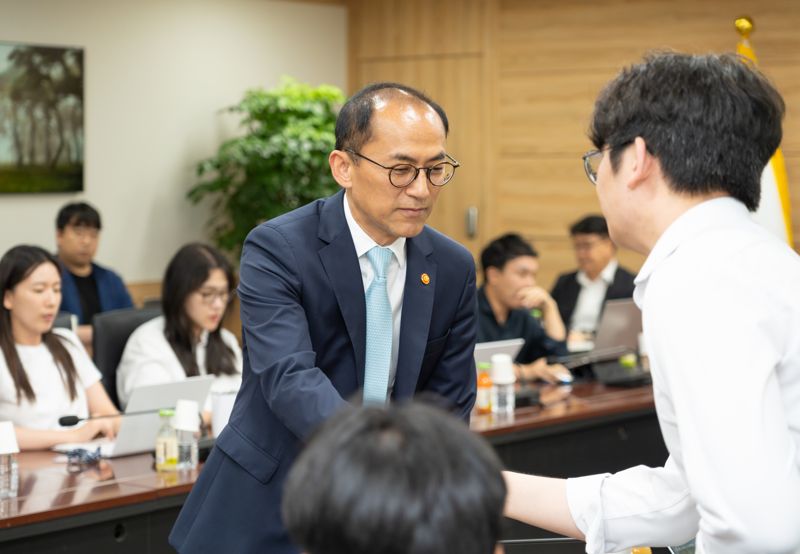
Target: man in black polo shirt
(511, 305)
(86, 287)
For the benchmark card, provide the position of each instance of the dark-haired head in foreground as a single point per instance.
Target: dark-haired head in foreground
(405, 479)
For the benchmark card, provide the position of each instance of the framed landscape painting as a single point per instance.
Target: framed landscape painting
(41, 118)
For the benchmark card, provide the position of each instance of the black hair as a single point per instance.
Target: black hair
(504, 249)
(590, 225)
(188, 269)
(402, 479)
(712, 121)
(15, 266)
(353, 122)
(79, 214)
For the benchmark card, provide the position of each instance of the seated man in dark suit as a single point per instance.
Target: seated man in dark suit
(511, 305)
(581, 295)
(86, 287)
(408, 479)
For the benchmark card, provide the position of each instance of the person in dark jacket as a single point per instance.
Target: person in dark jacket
(581, 294)
(86, 287)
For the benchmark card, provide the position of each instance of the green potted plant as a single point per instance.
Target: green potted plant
(279, 164)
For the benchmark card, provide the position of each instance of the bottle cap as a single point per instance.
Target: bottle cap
(166, 412)
(484, 366)
(187, 417)
(503, 370)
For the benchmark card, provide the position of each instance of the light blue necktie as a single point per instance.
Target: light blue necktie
(379, 330)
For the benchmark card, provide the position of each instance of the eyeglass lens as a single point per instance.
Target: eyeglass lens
(404, 174)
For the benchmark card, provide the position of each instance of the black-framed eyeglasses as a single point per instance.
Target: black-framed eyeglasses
(402, 175)
(208, 296)
(591, 161)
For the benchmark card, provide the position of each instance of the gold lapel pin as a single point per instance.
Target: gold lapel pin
(425, 278)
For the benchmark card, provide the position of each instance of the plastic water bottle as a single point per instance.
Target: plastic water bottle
(166, 443)
(483, 398)
(503, 379)
(9, 476)
(187, 450)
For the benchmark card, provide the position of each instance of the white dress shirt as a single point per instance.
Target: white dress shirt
(148, 359)
(395, 278)
(591, 297)
(52, 396)
(720, 300)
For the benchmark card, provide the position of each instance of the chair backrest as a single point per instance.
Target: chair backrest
(110, 332)
(66, 320)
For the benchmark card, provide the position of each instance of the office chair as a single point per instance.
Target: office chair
(110, 332)
(66, 320)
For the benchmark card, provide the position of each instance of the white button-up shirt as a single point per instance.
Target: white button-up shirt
(395, 278)
(590, 299)
(720, 300)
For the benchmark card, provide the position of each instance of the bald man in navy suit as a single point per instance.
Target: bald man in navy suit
(304, 314)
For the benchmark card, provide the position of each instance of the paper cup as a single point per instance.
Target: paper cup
(187, 416)
(221, 407)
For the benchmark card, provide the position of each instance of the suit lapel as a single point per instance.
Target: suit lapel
(416, 319)
(339, 259)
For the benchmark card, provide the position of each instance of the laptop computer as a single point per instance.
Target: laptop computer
(137, 433)
(617, 335)
(485, 350)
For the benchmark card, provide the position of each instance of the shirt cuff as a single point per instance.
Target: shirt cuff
(585, 506)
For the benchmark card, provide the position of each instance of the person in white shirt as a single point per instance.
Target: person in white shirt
(44, 373)
(582, 294)
(681, 143)
(188, 339)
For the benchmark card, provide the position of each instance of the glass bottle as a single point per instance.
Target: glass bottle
(503, 396)
(166, 443)
(187, 450)
(9, 476)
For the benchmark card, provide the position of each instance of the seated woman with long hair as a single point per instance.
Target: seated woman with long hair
(44, 373)
(188, 339)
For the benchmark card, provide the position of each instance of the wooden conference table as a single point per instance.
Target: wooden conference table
(125, 506)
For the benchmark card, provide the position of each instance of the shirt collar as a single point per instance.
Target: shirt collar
(606, 276)
(364, 243)
(688, 225)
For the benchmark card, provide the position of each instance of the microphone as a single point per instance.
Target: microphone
(70, 420)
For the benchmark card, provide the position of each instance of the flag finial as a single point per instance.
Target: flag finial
(744, 25)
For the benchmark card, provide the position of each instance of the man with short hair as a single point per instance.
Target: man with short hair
(348, 297)
(87, 288)
(581, 294)
(407, 479)
(681, 141)
(511, 305)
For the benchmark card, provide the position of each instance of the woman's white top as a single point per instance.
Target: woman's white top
(148, 359)
(52, 396)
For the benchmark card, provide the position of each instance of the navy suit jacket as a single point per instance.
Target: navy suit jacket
(304, 334)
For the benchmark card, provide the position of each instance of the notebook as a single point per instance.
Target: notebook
(137, 433)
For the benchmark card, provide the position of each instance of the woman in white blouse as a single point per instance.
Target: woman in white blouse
(188, 339)
(44, 373)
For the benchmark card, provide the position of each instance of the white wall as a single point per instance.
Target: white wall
(157, 72)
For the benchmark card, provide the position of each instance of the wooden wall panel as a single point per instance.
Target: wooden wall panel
(453, 83)
(525, 98)
(552, 58)
(392, 29)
